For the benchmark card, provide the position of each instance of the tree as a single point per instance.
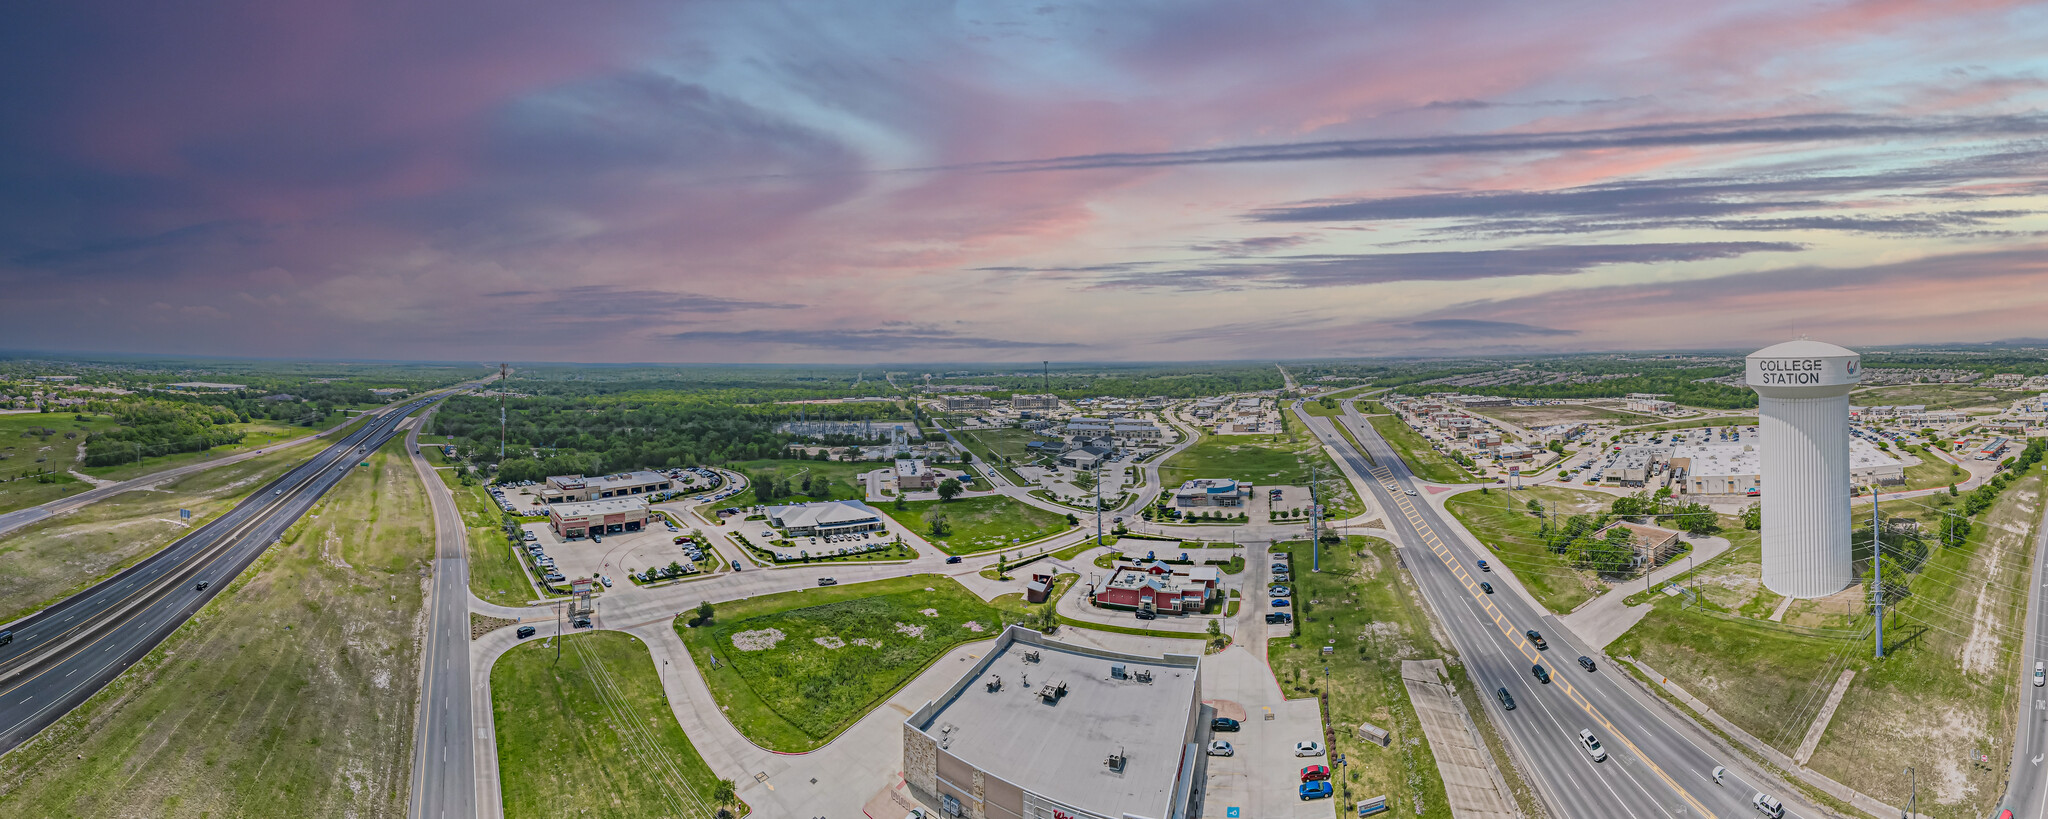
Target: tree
(1073, 521)
(724, 792)
(938, 526)
(1697, 519)
(948, 489)
(900, 503)
(1753, 517)
(704, 612)
(1535, 507)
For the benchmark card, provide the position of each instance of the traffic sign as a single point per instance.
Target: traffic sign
(184, 514)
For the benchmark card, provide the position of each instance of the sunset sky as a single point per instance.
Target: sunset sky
(921, 181)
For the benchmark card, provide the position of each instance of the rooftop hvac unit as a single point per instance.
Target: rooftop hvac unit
(1116, 760)
(1116, 671)
(995, 684)
(1031, 656)
(1144, 675)
(1052, 692)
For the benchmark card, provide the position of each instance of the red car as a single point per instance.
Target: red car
(1315, 773)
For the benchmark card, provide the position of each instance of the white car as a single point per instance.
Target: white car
(1218, 747)
(2040, 674)
(1593, 748)
(1308, 748)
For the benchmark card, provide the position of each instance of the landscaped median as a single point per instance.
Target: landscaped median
(1427, 463)
(793, 670)
(594, 728)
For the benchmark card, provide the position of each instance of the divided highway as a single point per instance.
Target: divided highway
(1655, 766)
(62, 655)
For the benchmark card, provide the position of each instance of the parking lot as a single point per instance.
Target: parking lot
(1263, 777)
(616, 554)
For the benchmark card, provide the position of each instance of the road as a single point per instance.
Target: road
(64, 654)
(2026, 792)
(443, 750)
(1657, 766)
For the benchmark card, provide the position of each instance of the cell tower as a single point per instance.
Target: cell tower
(504, 372)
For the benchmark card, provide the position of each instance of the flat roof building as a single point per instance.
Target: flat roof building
(825, 518)
(577, 489)
(601, 517)
(1034, 402)
(1209, 492)
(955, 403)
(1039, 729)
(914, 475)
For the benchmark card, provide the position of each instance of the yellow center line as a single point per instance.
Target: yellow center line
(1507, 629)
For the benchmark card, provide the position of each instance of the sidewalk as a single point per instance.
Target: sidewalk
(1603, 619)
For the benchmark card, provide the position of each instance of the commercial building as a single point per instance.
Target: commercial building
(956, 403)
(1123, 430)
(1040, 729)
(914, 475)
(1650, 404)
(825, 518)
(1803, 390)
(577, 489)
(1736, 468)
(1206, 492)
(599, 517)
(1653, 544)
(1086, 457)
(1158, 586)
(1034, 402)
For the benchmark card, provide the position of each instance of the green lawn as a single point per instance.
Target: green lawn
(1937, 396)
(291, 694)
(56, 557)
(1262, 460)
(1002, 449)
(40, 443)
(978, 524)
(495, 575)
(1502, 521)
(798, 693)
(831, 480)
(1375, 620)
(1930, 472)
(1953, 670)
(592, 734)
(1427, 463)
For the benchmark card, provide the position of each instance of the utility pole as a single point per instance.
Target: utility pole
(1098, 502)
(1315, 516)
(1877, 569)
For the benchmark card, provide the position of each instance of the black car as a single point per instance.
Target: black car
(1507, 701)
(952, 560)
(1586, 663)
(201, 586)
(1536, 637)
(581, 622)
(1541, 673)
(6, 637)
(1223, 724)
(1279, 617)
(1486, 587)
(525, 632)
(1146, 615)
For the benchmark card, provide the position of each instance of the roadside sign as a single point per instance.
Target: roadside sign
(184, 514)
(365, 463)
(1231, 813)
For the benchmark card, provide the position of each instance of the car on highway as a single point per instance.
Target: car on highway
(1541, 673)
(1536, 638)
(1592, 746)
(278, 492)
(6, 637)
(1409, 491)
(1486, 587)
(1587, 663)
(2040, 674)
(1507, 700)
(1224, 724)
(1308, 747)
(525, 632)
(1315, 773)
(1218, 747)
(201, 586)
(827, 581)
(1483, 567)
(1769, 805)
(1316, 790)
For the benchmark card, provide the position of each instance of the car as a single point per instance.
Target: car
(1541, 673)
(1587, 663)
(1218, 747)
(681, 540)
(1279, 567)
(1507, 700)
(1315, 773)
(915, 813)
(606, 580)
(525, 632)
(1223, 724)
(1486, 587)
(1281, 602)
(6, 637)
(201, 586)
(1411, 492)
(1279, 617)
(1308, 747)
(595, 538)
(580, 622)
(278, 492)
(1277, 591)
(1146, 615)
(1316, 790)
(1769, 805)
(952, 560)
(1483, 567)
(1592, 746)
(2040, 674)
(827, 581)
(1536, 638)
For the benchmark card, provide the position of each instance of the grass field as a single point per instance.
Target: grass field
(593, 734)
(832, 654)
(291, 694)
(1931, 471)
(979, 524)
(1938, 396)
(832, 480)
(1559, 414)
(1002, 449)
(1262, 460)
(1427, 463)
(1948, 683)
(54, 558)
(1502, 521)
(1377, 620)
(25, 451)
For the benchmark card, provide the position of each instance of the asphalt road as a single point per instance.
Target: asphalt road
(1655, 767)
(2026, 792)
(64, 654)
(444, 752)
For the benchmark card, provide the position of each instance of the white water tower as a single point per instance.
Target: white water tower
(1803, 390)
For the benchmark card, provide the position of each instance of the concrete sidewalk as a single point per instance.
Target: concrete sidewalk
(1603, 619)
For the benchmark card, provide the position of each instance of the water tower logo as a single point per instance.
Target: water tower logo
(1852, 366)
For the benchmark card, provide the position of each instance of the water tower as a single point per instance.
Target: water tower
(1803, 390)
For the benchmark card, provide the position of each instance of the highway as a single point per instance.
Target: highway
(2026, 790)
(64, 654)
(1658, 765)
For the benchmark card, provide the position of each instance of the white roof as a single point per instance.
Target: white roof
(606, 506)
(826, 513)
(1802, 348)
